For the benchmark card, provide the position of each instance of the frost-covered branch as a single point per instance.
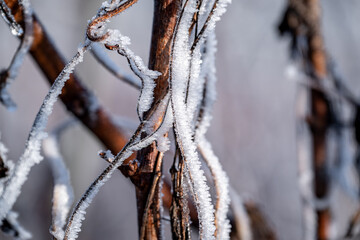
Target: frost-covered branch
(203, 122)
(9, 225)
(114, 40)
(134, 144)
(31, 155)
(109, 64)
(7, 76)
(9, 18)
(186, 89)
(63, 192)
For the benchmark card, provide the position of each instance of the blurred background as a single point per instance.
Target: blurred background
(253, 130)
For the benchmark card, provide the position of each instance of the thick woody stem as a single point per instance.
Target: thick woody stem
(319, 119)
(164, 22)
(303, 18)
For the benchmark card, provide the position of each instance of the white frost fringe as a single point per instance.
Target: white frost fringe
(11, 217)
(31, 155)
(78, 215)
(115, 38)
(23, 49)
(219, 175)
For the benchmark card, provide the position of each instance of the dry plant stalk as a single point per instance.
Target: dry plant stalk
(302, 20)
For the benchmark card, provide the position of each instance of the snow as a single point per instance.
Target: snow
(190, 71)
(187, 77)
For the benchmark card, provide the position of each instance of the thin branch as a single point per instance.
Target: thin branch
(31, 155)
(111, 66)
(63, 192)
(75, 220)
(8, 75)
(151, 195)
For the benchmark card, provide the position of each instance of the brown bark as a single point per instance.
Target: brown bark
(164, 22)
(303, 18)
(320, 119)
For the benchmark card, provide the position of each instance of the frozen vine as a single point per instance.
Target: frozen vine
(9, 225)
(205, 115)
(63, 192)
(31, 155)
(186, 87)
(114, 40)
(7, 76)
(78, 215)
(178, 109)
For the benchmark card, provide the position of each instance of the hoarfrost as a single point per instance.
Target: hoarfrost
(219, 175)
(114, 40)
(78, 214)
(13, 228)
(180, 70)
(222, 187)
(31, 155)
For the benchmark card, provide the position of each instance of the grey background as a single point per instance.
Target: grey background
(253, 130)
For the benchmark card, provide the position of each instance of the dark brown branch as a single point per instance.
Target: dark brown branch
(180, 227)
(302, 18)
(103, 18)
(164, 22)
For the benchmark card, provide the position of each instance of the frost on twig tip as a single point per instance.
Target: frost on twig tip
(6, 14)
(78, 215)
(106, 155)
